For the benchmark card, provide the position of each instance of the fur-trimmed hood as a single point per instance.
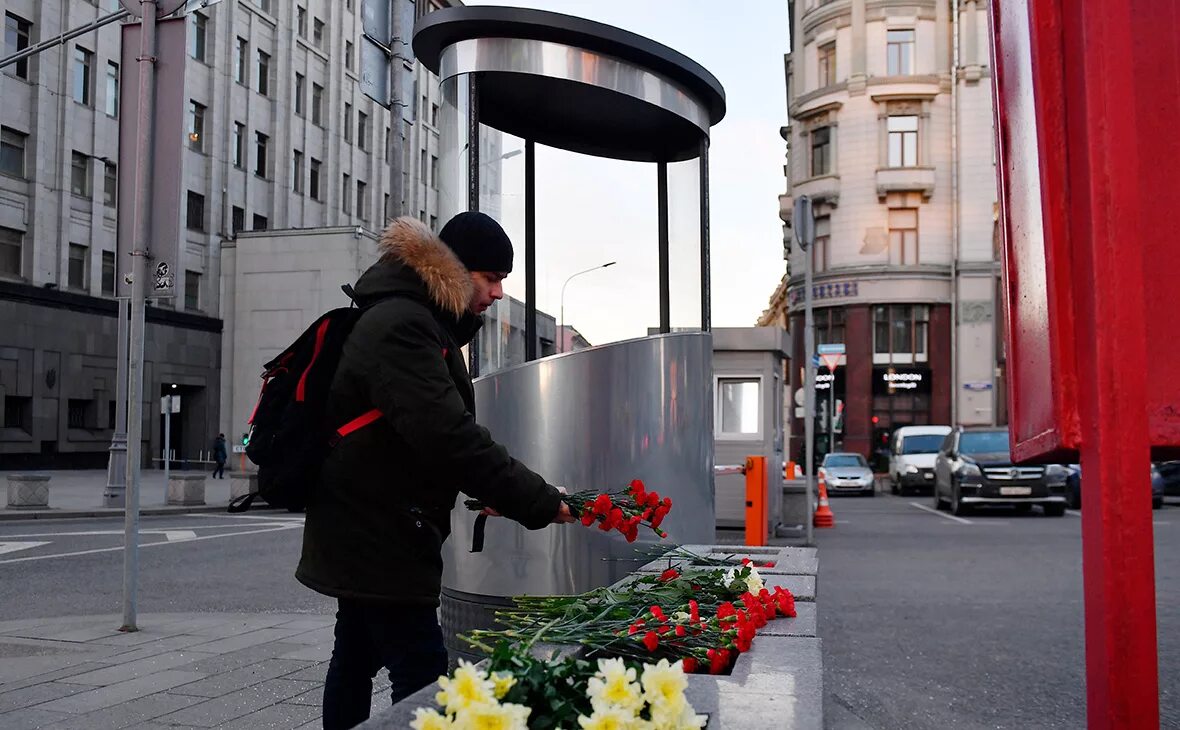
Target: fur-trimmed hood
(408, 244)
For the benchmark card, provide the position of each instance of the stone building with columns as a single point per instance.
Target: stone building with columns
(890, 135)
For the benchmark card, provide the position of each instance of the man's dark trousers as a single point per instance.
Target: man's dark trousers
(406, 640)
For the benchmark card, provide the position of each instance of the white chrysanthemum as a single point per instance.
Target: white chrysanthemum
(425, 719)
(613, 718)
(468, 686)
(613, 685)
(664, 683)
(680, 617)
(492, 716)
(754, 581)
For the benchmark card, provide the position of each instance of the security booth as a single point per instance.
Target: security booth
(525, 92)
(749, 390)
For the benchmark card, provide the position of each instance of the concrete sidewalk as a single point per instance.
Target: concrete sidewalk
(179, 670)
(78, 493)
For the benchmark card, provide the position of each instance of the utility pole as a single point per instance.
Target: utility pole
(803, 223)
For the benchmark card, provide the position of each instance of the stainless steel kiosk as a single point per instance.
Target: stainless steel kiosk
(599, 417)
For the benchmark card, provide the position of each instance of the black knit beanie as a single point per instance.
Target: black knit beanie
(479, 242)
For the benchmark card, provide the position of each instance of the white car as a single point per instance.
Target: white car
(912, 451)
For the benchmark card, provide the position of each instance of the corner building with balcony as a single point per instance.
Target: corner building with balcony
(890, 135)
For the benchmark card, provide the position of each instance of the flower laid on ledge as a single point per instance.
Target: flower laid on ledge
(625, 511)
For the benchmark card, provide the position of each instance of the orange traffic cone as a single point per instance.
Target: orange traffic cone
(823, 513)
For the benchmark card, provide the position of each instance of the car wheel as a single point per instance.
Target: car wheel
(870, 492)
(1022, 509)
(1053, 510)
(958, 508)
(1157, 503)
(893, 488)
(937, 498)
(1073, 499)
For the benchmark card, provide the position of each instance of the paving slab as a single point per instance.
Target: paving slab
(245, 657)
(127, 714)
(114, 694)
(276, 717)
(227, 682)
(219, 711)
(36, 694)
(30, 718)
(139, 668)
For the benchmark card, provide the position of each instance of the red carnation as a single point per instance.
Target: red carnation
(637, 486)
(769, 564)
(651, 499)
(746, 561)
(669, 575)
(631, 533)
(651, 640)
(587, 518)
(658, 613)
(681, 631)
(689, 664)
(694, 610)
(660, 513)
(785, 601)
(718, 660)
(602, 504)
(725, 610)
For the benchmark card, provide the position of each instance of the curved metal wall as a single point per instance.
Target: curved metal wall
(592, 419)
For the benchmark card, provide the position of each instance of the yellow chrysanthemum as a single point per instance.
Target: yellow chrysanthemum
(492, 716)
(613, 685)
(425, 719)
(501, 683)
(613, 718)
(466, 687)
(664, 682)
(677, 715)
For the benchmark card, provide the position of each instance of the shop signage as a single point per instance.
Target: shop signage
(833, 290)
(901, 380)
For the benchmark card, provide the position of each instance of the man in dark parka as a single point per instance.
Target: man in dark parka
(381, 511)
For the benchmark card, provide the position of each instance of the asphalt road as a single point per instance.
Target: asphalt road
(188, 563)
(931, 622)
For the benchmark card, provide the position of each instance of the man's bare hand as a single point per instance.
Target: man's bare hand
(490, 512)
(564, 516)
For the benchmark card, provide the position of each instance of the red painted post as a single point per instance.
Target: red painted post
(1106, 192)
(756, 517)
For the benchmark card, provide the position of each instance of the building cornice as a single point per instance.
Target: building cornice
(86, 304)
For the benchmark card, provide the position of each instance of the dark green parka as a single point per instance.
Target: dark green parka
(381, 511)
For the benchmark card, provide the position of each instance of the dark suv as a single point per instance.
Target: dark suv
(974, 467)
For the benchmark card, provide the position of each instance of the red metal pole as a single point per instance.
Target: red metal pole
(1102, 53)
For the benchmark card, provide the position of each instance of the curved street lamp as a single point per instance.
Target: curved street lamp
(561, 333)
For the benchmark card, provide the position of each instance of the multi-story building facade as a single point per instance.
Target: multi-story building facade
(890, 136)
(278, 136)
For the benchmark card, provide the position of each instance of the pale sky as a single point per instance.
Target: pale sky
(591, 211)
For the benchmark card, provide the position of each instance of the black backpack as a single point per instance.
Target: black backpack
(289, 438)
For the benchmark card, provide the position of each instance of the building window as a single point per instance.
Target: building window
(434, 223)
(820, 250)
(80, 174)
(196, 126)
(261, 145)
(362, 200)
(903, 141)
(434, 115)
(348, 55)
(197, 39)
(112, 100)
(348, 4)
(900, 333)
(362, 130)
(238, 219)
(239, 141)
(78, 413)
(317, 33)
(900, 52)
(12, 152)
(385, 207)
(903, 236)
(108, 273)
(76, 271)
(434, 172)
(422, 166)
(263, 73)
(192, 290)
(827, 65)
(17, 32)
(83, 63)
(348, 122)
(194, 216)
(110, 184)
(317, 104)
(346, 195)
(241, 62)
(18, 411)
(739, 407)
(265, 5)
(260, 222)
(301, 22)
(821, 151)
(388, 146)
(297, 172)
(299, 84)
(11, 245)
(313, 183)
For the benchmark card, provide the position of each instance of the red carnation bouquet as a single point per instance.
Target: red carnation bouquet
(625, 511)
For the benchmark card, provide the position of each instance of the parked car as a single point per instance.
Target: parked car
(1170, 474)
(847, 472)
(1073, 487)
(973, 467)
(911, 457)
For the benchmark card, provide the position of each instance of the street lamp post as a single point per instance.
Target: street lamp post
(561, 333)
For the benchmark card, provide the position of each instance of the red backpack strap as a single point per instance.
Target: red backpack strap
(320, 333)
(356, 424)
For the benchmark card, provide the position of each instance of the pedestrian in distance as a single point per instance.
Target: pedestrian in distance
(220, 456)
(380, 511)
